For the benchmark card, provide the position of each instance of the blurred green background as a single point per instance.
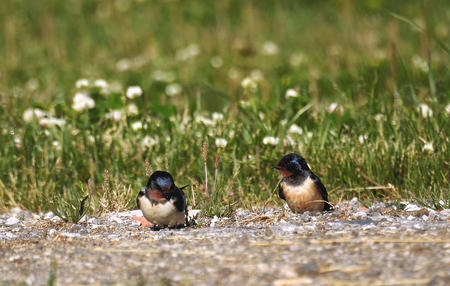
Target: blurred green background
(370, 58)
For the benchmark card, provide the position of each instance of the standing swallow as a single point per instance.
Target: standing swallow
(300, 187)
(161, 202)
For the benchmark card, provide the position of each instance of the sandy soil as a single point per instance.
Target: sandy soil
(382, 245)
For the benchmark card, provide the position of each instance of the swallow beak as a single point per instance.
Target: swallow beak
(277, 167)
(184, 186)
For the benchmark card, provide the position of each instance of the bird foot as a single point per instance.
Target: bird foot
(144, 222)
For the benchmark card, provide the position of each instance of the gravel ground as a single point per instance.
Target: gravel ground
(381, 245)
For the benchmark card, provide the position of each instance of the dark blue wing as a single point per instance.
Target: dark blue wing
(322, 190)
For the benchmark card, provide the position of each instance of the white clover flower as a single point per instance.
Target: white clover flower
(289, 141)
(425, 110)
(270, 140)
(256, 75)
(32, 84)
(249, 84)
(56, 145)
(91, 139)
(428, 147)
(234, 74)
(309, 134)
(244, 103)
(333, 106)
(362, 138)
(115, 115)
(447, 109)
(270, 48)
(261, 115)
(295, 129)
(136, 125)
(221, 142)
(163, 76)
(190, 51)
(75, 132)
(17, 141)
(51, 121)
(82, 83)
(173, 89)
(297, 59)
(202, 119)
(291, 93)
(132, 109)
(216, 116)
(216, 62)
(134, 91)
(379, 117)
(123, 64)
(102, 84)
(82, 101)
(149, 141)
(420, 63)
(231, 133)
(31, 113)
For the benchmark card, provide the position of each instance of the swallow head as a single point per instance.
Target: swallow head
(160, 180)
(291, 164)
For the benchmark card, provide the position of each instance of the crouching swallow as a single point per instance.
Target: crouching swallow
(161, 202)
(300, 187)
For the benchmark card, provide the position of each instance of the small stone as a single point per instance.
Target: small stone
(412, 207)
(51, 232)
(35, 216)
(15, 211)
(76, 227)
(193, 214)
(83, 219)
(214, 221)
(48, 215)
(360, 214)
(12, 221)
(354, 202)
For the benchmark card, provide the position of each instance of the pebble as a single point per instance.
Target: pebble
(48, 215)
(12, 221)
(51, 232)
(360, 214)
(412, 207)
(214, 221)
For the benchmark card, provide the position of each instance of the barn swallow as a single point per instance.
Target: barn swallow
(162, 202)
(300, 187)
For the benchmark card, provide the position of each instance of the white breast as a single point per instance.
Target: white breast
(161, 213)
(300, 197)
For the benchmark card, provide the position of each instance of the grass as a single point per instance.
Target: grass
(221, 70)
